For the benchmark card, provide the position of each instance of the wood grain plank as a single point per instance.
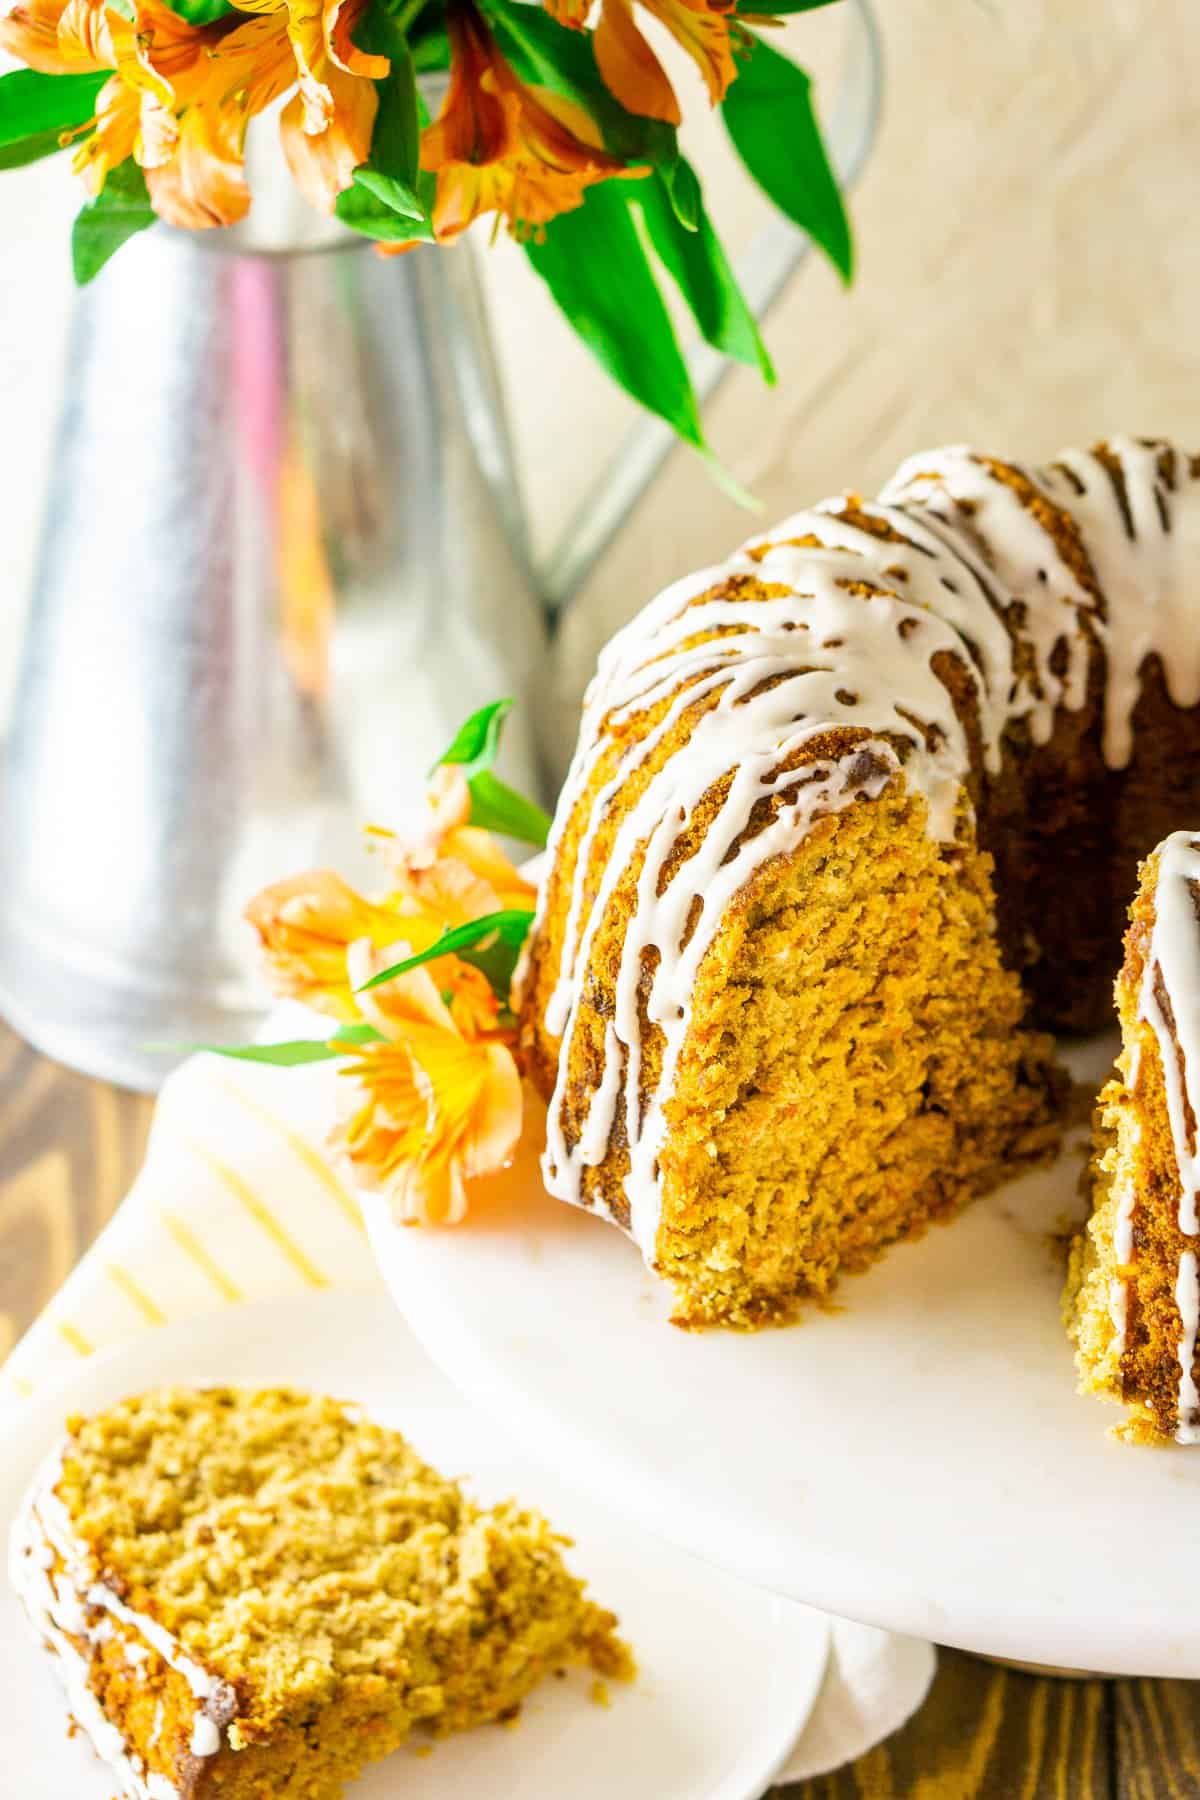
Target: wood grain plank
(69, 1149)
(1156, 1736)
(985, 1733)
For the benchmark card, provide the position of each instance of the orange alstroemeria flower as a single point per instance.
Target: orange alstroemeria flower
(327, 128)
(306, 926)
(182, 95)
(632, 72)
(452, 868)
(500, 147)
(428, 1109)
(178, 101)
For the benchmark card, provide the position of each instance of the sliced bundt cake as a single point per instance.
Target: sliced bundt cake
(851, 818)
(1132, 1302)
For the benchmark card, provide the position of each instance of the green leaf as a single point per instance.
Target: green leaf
(291, 1054)
(510, 927)
(431, 53)
(36, 110)
(770, 8)
(497, 807)
(31, 103)
(770, 117)
(477, 740)
(394, 194)
(390, 199)
(362, 210)
(494, 805)
(120, 210)
(683, 192)
(701, 271)
(30, 149)
(497, 962)
(357, 1034)
(396, 140)
(201, 12)
(595, 265)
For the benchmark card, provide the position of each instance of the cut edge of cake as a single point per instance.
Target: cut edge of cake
(1132, 1299)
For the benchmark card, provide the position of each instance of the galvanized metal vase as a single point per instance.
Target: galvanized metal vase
(283, 557)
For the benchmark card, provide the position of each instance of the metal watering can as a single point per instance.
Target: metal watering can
(284, 556)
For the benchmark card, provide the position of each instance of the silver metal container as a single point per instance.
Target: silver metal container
(283, 557)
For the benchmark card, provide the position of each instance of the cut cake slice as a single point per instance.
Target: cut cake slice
(253, 1595)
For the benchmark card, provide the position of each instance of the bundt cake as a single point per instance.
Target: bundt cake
(1132, 1300)
(851, 819)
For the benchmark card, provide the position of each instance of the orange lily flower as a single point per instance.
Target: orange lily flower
(428, 1109)
(327, 128)
(452, 868)
(632, 72)
(501, 147)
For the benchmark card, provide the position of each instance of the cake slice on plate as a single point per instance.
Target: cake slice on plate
(251, 1596)
(1133, 1295)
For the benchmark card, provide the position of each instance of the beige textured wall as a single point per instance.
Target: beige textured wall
(1029, 277)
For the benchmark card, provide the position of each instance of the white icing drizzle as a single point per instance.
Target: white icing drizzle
(1173, 968)
(1143, 554)
(62, 1604)
(975, 507)
(967, 569)
(1187, 1298)
(206, 1736)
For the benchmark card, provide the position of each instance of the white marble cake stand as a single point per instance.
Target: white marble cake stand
(918, 1459)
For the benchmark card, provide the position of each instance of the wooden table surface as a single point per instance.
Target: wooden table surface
(69, 1148)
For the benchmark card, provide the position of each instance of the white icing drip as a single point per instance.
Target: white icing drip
(1118, 1298)
(1144, 570)
(1147, 573)
(1173, 959)
(206, 1736)
(28, 1548)
(1173, 966)
(1187, 1298)
(955, 487)
(1118, 1309)
(199, 1680)
(593, 1139)
(61, 1607)
(967, 564)
(922, 563)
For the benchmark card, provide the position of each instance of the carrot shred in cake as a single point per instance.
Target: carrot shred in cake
(254, 1595)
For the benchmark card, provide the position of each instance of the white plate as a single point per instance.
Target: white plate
(918, 1458)
(728, 1675)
